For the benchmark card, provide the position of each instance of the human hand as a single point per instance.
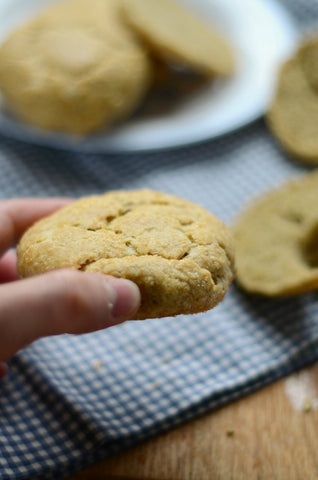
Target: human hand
(61, 301)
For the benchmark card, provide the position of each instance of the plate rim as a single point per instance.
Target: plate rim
(107, 142)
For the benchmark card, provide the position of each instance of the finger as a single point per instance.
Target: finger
(3, 369)
(17, 215)
(8, 267)
(62, 301)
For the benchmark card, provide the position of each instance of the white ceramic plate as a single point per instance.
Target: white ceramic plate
(262, 35)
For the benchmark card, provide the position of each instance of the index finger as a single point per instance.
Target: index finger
(17, 215)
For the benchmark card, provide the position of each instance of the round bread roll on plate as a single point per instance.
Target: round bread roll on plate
(74, 68)
(179, 36)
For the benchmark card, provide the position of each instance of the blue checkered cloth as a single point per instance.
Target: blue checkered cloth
(69, 400)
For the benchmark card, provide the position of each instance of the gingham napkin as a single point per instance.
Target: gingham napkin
(72, 400)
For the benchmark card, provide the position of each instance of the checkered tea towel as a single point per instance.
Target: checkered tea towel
(71, 400)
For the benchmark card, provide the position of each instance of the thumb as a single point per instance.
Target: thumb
(62, 301)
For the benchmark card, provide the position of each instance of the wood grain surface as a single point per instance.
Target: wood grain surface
(271, 434)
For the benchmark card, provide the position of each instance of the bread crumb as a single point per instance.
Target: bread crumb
(97, 364)
(230, 432)
(307, 405)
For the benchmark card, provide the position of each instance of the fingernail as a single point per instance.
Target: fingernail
(124, 298)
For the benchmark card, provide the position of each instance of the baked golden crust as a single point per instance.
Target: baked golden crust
(276, 240)
(178, 253)
(293, 113)
(179, 36)
(74, 68)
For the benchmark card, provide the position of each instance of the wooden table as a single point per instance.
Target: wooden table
(269, 435)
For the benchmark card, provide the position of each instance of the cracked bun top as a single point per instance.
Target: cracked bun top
(179, 254)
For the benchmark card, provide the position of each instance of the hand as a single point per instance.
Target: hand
(61, 301)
